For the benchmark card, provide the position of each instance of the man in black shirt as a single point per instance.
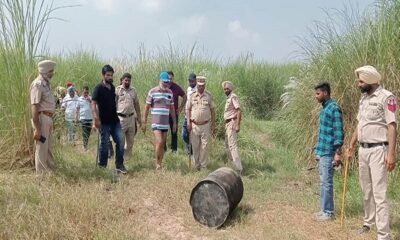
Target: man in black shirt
(104, 111)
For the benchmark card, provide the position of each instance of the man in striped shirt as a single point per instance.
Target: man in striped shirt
(328, 149)
(161, 103)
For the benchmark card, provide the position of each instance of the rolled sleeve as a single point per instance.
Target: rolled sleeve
(36, 94)
(235, 102)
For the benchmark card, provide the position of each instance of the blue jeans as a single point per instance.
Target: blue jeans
(326, 177)
(116, 133)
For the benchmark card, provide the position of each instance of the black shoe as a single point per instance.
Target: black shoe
(102, 166)
(122, 169)
(365, 229)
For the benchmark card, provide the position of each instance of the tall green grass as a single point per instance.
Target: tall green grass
(333, 51)
(23, 23)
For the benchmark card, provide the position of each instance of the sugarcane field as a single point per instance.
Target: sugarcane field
(172, 119)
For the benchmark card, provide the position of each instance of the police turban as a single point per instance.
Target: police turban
(368, 74)
(228, 84)
(46, 66)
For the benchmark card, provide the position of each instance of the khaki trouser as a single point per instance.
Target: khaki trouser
(374, 182)
(128, 126)
(231, 144)
(200, 138)
(44, 151)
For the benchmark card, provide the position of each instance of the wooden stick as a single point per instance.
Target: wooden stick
(346, 174)
(190, 144)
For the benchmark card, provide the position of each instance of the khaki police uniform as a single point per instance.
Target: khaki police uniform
(200, 107)
(42, 95)
(376, 112)
(230, 117)
(128, 110)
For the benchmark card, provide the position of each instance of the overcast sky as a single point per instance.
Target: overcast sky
(224, 28)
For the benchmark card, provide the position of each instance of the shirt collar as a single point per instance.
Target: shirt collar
(327, 102)
(44, 81)
(230, 95)
(377, 91)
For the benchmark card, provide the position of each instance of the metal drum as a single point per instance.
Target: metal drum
(215, 197)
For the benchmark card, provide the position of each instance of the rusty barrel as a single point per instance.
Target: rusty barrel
(215, 197)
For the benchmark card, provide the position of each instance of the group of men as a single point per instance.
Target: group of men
(115, 112)
(376, 134)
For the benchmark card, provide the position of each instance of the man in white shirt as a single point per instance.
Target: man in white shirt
(85, 115)
(185, 133)
(70, 105)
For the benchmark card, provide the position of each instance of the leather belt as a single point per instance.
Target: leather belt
(370, 145)
(229, 120)
(49, 114)
(124, 115)
(199, 123)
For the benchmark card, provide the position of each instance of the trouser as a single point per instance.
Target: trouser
(86, 125)
(200, 138)
(174, 135)
(115, 131)
(374, 183)
(71, 129)
(326, 172)
(186, 137)
(44, 151)
(231, 144)
(128, 126)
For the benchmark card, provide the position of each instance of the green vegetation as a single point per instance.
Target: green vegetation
(333, 52)
(258, 84)
(79, 201)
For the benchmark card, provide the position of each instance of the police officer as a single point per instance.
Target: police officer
(232, 118)
(200, 112)
(128, 110)
(376, 134)
(43, 105)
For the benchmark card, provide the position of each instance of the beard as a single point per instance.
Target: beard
(127, 85)
(109, 81)
(365, 89)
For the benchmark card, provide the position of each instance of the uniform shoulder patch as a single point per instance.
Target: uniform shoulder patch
(391, 104)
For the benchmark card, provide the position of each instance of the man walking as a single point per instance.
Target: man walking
(376, 133)
(104, 111)
(200, 112)
(176, 93)
(185, 133)
(128, 110)
(328, 148)
(160, 101)
(43, 106)
(85, 115)
(70, 106)
(232, 119)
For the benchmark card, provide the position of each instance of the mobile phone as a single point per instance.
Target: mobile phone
(42, 139)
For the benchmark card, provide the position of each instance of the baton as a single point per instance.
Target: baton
(346, 174)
